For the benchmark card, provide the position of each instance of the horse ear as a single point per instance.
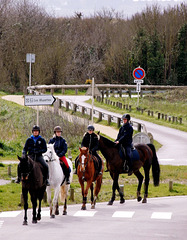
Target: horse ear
(98, 132)
(19, 158)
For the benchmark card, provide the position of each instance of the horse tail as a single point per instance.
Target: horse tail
(155, 166)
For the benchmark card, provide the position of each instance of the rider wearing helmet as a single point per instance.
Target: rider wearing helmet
(35, 145)
(90, 140)
(125, 139)
(60, 147)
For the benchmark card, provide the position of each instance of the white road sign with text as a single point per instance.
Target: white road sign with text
(36, 100)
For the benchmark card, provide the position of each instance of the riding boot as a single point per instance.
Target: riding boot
(18, 180)
(130, 172)
(67, 175)
(76, 164)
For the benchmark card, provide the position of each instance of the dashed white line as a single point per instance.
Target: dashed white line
(161, 215)
(85, 213)
(9, 214)
(123, 214)
(1, 223)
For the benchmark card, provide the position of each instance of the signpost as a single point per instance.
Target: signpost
(39, 100)
(30, 58)
(138, 74)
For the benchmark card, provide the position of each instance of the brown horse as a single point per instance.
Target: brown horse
(87, 173)
(147, 157)
(32, 182)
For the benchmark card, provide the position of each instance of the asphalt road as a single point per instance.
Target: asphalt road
(174, 149)
(161, 218)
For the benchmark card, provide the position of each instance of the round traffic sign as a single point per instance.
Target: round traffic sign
(139, 73)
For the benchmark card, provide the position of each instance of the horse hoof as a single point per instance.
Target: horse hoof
(93, 207)
(38, 218)
(57, 212)
(139, 199)
(25, 223)
(122, 200)
(83, 208)
(144, 200)
(110, 203)
(52, 216)
(34, 221)
(64, 213)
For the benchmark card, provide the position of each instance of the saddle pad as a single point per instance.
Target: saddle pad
(135, 155)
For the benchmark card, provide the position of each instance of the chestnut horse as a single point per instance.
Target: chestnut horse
(32, 182)
(147, 157)
(87, 173)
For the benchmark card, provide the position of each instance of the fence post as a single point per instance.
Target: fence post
(83, 110)
(170, 186)
(71, 197)
(100, 116)
(158, 115)
(67, 106)
(9, 170)
(139, 127)
(118, 122)
(109, 119)
(180, 120)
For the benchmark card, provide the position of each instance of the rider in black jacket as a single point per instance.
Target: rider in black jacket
(125, 139)
(35, 145)
(90, 140)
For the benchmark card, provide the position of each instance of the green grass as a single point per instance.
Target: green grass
(10, 194)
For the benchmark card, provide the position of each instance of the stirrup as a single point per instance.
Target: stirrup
(67, 181)
(18, 180)
(47, 182)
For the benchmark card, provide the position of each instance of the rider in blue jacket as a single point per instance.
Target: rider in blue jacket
(125, 139)
(35, 145)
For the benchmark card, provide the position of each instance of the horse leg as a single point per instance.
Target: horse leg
(25, 197)
(92, 197)
(82, 189)
(97, 190)
(49, 199)
(85, 194)
(57, 209)
(146, 184)
(34, 206)
(65, 207)
(55, 200)
(39, 210)
(114, 187)
(140, 180)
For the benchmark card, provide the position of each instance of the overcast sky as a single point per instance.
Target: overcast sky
(64, 8)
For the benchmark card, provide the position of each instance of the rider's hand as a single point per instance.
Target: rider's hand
(116, 142)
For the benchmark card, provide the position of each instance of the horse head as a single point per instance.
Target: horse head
(50, 155)
(83, 158)
(26, 167)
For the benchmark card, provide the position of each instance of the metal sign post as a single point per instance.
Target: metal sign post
(92, 98)
(30, 58)
(138, 74)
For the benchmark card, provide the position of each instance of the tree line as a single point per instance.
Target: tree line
(106, 46)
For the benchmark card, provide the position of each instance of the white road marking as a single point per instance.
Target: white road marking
(85, 213)
(1, 223)
(161, 215)
(45, 213)
(167, 159)
(9, 214)
(123, 214)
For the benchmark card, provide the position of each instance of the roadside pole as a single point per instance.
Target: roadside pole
(138, 74)
(92, 98)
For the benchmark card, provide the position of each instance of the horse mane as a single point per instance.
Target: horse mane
(107, 141)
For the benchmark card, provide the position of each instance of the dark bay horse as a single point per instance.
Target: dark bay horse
(147, 158)
(87, 173)
(32, 182)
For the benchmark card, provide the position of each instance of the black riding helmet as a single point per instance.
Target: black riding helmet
(36, 128)
(91, 127)
(126, 116)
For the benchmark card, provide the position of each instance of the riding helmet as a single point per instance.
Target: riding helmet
(126, 116)
(91, 127)
(57, 129)
(36, 128)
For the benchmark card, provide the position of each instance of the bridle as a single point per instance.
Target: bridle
(83, 164)
(49, 158)
(27, 174)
